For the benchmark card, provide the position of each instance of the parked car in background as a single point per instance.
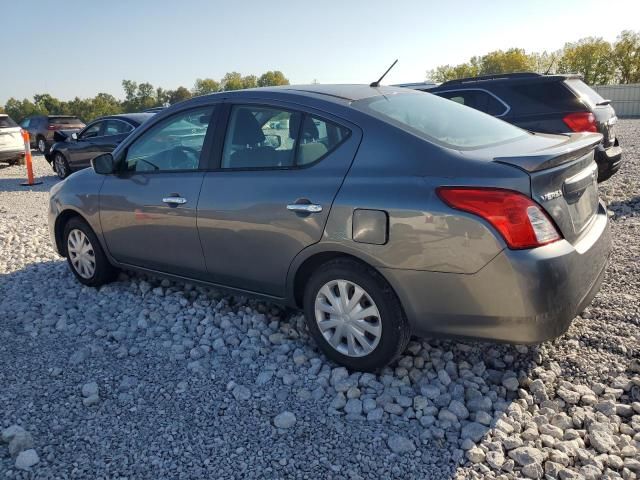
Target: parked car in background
(42, 127)
(541, 103)
(74, 151)
(382, 212)
(11, 143)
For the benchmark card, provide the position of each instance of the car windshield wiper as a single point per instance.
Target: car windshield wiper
(603, 103)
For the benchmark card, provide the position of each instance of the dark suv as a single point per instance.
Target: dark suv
(541, 103)
(42, 127)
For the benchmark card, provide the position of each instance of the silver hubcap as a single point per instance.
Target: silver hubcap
(60, 168)
(348, 318)
(41, 145)
(81, 253)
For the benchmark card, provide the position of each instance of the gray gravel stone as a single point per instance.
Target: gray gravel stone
(285, 420)
(400, 444)
(27, 459)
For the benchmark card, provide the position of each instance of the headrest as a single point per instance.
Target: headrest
(247, 130)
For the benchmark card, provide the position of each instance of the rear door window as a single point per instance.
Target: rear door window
(270, 137)
(117, 127)
(478, 99)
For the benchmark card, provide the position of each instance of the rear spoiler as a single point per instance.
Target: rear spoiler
(576, 146)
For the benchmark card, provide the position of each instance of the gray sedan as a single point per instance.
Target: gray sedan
(381, 212)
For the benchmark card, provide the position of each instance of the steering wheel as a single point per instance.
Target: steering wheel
(190, 157)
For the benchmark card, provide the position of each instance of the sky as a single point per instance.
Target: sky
(77, 48)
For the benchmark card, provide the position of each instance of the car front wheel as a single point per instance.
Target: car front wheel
(85, 256)
(354, 316)
(60, 165)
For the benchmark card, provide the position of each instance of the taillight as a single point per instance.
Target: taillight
(581, 122)
(521, 222)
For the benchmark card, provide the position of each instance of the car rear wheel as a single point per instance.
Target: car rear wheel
(354, 316)
(85, 256)
(42, 145)
(60, 165)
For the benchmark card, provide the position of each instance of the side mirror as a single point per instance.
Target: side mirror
(273, 140)
(104, 164)
(74, 135)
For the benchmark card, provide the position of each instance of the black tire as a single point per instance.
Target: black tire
(60, 165)
(104, 272)
(395, 327)
(41, 144)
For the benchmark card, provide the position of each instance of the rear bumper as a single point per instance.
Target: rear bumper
(521, 296)
(608, 160)
(11, 154)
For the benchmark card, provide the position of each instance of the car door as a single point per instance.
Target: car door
(84, 148)
(148, 209)
(279, 173)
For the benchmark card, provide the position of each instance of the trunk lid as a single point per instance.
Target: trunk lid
(563, 176)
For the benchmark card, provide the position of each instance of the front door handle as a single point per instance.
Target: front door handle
(174, 200)
(304, 207)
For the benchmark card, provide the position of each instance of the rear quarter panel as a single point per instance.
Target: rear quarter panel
(398, 173)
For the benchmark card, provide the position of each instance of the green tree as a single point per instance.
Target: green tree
(501, 61)
(232, 81)
(444, 73)
(204, 86)
(272, 78)
(591, 57)
(626, 56)
(178, 95)
(249, 81)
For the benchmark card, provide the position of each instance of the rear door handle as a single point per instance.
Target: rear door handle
(174, 200)
(304, 207)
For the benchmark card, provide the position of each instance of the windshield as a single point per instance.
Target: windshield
(584, 91)
(440, 120)
(7, 122)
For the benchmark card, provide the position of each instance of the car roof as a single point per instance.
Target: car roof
(337, 93)
(507, 77)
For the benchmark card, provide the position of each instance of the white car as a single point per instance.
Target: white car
(11, 143)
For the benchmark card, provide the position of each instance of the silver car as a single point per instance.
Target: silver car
(381, 212)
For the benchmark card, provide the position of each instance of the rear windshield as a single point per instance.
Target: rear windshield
(7, 122)
(440, 120)
(584, 91)
(65, 120)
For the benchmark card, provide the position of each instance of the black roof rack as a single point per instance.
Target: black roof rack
(496, 76)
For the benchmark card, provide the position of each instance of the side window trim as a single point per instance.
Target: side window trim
(456, 90)
(205, 154)
(226, 117)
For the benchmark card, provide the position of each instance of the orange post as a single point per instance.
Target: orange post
(28, 160)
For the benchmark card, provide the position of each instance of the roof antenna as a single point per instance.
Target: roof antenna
(553, 60)
(377, 83)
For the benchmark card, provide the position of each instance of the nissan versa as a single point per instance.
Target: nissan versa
(382, 212)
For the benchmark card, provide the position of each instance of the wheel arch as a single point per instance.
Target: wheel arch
(310, 259)
(61, 221)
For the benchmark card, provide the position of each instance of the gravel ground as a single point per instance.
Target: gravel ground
(147, 378)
